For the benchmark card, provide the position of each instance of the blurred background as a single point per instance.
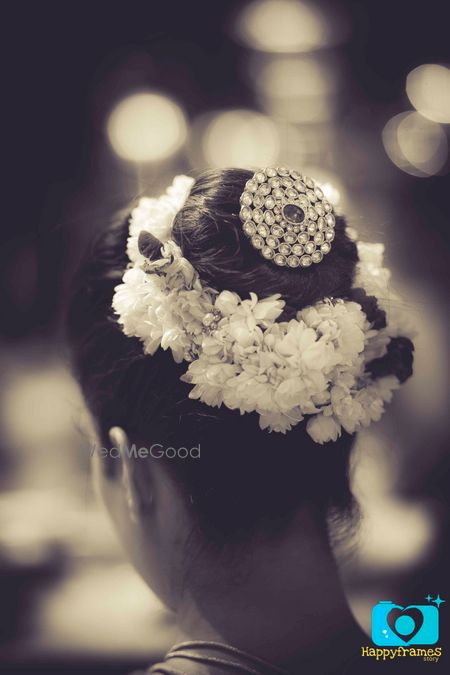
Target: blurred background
(104, 104)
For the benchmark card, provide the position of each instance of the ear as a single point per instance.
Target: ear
(136, 488)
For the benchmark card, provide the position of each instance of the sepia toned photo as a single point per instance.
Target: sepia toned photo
(224, 344)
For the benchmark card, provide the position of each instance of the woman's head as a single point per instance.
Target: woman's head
(242, 482)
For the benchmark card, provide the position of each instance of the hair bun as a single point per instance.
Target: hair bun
(209, 232)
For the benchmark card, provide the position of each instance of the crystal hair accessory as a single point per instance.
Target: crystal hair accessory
(287, 218)
(318, 366)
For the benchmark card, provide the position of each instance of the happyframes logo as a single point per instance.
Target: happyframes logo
(394, 625)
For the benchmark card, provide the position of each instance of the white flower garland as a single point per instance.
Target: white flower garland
(239, 355)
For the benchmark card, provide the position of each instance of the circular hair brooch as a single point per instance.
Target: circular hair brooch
(287, 218)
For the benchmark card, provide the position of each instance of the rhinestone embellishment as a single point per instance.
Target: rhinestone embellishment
(287, 218)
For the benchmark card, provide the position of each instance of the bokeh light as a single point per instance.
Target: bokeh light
(394, 532)
(240, 138)
(41, 417)
(297, 88)
(284, 26)
(428, 89)
(415, 144)
(296, 76)
(146, 127)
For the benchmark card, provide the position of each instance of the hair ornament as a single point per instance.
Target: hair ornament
(287, 217)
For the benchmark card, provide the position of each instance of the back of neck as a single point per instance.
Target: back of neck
(283, 601)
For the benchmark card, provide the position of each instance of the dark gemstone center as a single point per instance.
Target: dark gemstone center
(293, 214)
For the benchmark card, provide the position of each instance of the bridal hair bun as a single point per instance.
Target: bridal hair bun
(287, 217)
(251, 346)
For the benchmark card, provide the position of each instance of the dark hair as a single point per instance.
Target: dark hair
(246, 479)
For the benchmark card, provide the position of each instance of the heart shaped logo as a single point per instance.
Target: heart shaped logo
(397, 613)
